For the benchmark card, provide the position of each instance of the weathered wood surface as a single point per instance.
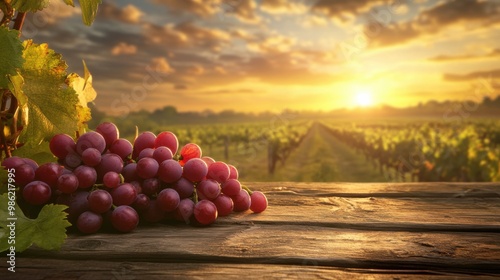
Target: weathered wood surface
(310, 230)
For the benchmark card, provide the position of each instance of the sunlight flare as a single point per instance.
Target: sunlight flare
(363, 98)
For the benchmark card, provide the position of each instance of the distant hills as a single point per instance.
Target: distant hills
(446, 110)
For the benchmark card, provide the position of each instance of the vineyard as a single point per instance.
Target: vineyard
(427, 151)
(267, 144)
(365, 151)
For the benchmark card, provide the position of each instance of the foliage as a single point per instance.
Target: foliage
(429, 151)
(38, 99)
(47, 231)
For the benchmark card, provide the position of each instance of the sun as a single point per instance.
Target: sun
(364, 98)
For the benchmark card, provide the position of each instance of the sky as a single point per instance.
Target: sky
(272, 55)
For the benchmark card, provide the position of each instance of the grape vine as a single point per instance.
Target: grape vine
(38, 97)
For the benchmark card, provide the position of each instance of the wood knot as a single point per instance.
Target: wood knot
(89, 244)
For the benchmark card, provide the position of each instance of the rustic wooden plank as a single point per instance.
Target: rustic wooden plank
(477, 253)
(37, 269)
(410, 206)
(425, 214)
(68, 270)
(423, 189)
(319, 230)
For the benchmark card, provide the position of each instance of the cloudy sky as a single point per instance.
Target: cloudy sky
(256, 55)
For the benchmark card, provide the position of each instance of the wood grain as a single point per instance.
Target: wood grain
(331, 231)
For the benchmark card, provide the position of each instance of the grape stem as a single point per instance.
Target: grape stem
(19, 21)
(249, 191)
(10, 144)
(195, 197)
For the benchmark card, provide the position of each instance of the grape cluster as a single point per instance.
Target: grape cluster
(106, 180)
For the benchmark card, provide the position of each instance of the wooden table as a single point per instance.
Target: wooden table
(310, 230)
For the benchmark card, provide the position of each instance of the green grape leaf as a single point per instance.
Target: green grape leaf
(11, 56)
(47, 231)
(69, 2)
(29, 5)
(39, 153)
(85, 92)
(89, 10)
(16, 84)
(50, 102)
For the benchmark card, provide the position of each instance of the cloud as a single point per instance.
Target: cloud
(186, 34)
(273, 44)
(180, 87)
(127, 14)
(285, 69)
(124, 48)
(282, 7)
(203, 8)
(313, 20)
(460, 57)
(455, 13)
(194, 70)
(380, 35)
(241, 34)
(487, 74)
(345, 9)
(55, 12)
(244, 10)
(161, 65)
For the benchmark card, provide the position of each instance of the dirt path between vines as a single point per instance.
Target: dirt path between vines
(323, 158)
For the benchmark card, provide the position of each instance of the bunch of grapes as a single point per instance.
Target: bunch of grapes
(106, 180)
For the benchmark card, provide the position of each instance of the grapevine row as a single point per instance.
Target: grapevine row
(279, 140)
(429, 151)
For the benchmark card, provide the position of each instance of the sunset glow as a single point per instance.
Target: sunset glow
(260, 55)
(364, 98)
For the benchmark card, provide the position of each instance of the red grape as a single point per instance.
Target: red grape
(124, 194)
(188, 152)
(168, 200)
(231, 187)
(90, 139)
(62, 144)
(224, 205)
(87, 176)
(170, 171)
(91, 157)
(121, 147)
(167, 139)
(147, 168)
(111, 179)
(67, 183)
(258, 202)
(162, 153)
(219, 171)
(205, 212)
(208, 189)
(195, 170)
(89, 222)
(143, 141)
(100, 201)
(242, 201)
(109, 132)
(37, 193)
(124, 218)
